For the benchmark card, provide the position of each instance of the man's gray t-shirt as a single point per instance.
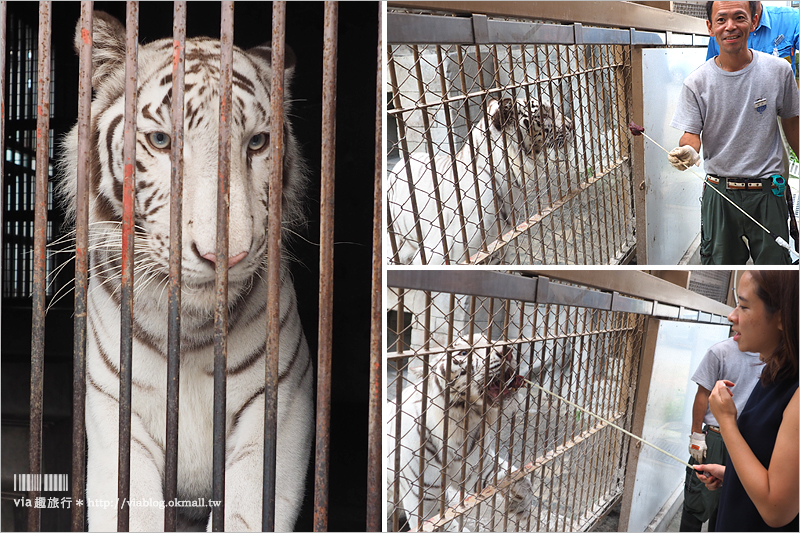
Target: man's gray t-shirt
(736, 113)
(724, 361)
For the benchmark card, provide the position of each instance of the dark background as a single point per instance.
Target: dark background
(357, 56)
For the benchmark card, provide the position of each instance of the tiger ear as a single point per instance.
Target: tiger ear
(264, 53)
(108, 45)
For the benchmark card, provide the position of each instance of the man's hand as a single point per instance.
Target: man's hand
(697, 447)
(683, 157)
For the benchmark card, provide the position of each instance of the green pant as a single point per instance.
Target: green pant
(722, 226)
(697, 499)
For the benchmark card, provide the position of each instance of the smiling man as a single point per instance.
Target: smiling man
(731, 104)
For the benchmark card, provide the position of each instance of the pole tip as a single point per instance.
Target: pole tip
(636, 130)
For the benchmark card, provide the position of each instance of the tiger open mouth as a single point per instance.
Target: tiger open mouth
(504, 384)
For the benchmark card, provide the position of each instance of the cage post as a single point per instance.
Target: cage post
(374, 462)
(81, 269)
(328, 175)
(274, 264)
(175, 262)
(3, 48)
(221, 264)
(39, 257)
(126, 278)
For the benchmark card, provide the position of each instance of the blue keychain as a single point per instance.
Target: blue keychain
(779, 185)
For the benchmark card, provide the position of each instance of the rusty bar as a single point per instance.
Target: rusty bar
(126, 281)
(375, 429)
(175, 243)
(274, 265)
(81, 269)
(330, 35)
(221, 264)
(3, 52)
(39, 256)
(426, 129)
(406, 155)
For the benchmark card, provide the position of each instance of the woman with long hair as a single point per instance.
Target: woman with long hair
(760, 482)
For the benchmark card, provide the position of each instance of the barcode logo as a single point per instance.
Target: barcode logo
(41, 482)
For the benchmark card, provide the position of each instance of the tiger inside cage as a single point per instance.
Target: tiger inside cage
(512, 154)
(473, 443)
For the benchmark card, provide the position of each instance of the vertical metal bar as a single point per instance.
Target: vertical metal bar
(398, 422)
(401, 131)
(81, 269)
(471, 144)
(39, 255)
(175, 262)
(426, 131)
(325, 336)
(3, 53)
(453, 165)
(274, 265)
(375, 430)
(221, 263)
(126, 281)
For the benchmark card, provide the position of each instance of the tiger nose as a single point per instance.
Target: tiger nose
(212, 258)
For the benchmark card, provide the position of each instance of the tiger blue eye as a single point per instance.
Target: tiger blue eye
(258, 141)
(159, 140)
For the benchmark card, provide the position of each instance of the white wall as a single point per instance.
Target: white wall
(672, 197)
(680, 347)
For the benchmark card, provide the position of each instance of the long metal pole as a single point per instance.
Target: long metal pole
(175, 252)
(39, 257)
(325, 335)
(274, 267)
(126, 281)
(221, 265)
(374, 455)
(81, 269)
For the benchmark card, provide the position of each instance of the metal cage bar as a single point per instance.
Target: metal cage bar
(39, 255)
(325, 328)
(274, 266)
(175, 265)
(375, 433)
(81, 269)
(221, 264)
(127, 274)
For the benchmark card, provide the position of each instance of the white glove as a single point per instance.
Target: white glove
(697, 447)
(683, 157)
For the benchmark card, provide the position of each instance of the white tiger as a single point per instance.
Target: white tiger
(463, 414)
(516, 136)
(250, 168)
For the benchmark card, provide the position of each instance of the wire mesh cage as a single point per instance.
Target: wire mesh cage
(474, 444)
(509, 154)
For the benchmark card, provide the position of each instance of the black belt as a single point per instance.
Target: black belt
(741, 184)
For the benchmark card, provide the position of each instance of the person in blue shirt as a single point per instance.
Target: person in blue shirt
(776, 33)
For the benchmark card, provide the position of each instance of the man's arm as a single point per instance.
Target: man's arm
(790, 129)
(693, 140)
(699, 408)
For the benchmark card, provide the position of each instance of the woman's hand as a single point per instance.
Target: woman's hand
(711, 475)
(721, 402)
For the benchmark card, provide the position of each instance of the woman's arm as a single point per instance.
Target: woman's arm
(774, 491)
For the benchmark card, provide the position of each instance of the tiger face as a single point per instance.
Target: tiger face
(474, 370)
(557, 129)
(519, 124)
(250, 163)
(533, 125)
